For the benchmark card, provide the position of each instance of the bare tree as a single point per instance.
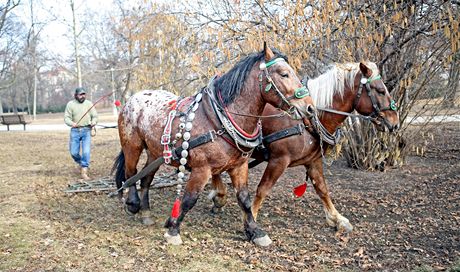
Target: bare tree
(76, 33)
(412, 41)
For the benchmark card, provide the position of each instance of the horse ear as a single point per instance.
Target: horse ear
(365, 70)
(268, 52)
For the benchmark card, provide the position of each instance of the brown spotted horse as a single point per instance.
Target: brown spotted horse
(336, 93)
(215, 131)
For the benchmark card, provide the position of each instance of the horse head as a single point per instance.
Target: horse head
(374, 100)
(281, 87)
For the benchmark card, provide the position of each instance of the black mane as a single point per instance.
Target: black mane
(232, 82)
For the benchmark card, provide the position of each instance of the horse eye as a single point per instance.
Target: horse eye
(286, 75)
(380, 91)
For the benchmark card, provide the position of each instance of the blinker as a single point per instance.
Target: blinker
(393, 105)
(268, 87)
(301, 92)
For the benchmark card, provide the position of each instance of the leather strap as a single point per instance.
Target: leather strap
(295, 130)
(202, 139)
(195, 142)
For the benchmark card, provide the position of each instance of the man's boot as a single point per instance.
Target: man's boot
(84, 173)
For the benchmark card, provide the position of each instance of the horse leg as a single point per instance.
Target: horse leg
(333, 217)
(144, 195)
(195, 185)
(275, 168)
(239, 177)
(218, 194)
(145, 214)
(132, 203)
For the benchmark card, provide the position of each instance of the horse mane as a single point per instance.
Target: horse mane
(232, 82)
(334, 80)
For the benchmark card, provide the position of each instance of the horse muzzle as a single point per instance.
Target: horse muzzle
(383, 125)
(307, 112)
(310, 111)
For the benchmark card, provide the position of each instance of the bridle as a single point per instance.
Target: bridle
(299, 93)
(332, 139)
(366, 83)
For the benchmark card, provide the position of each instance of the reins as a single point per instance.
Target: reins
(283, 113)
(344, 113)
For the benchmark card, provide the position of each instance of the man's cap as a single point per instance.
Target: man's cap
(80, 90)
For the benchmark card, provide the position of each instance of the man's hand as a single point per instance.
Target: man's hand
(74, 125)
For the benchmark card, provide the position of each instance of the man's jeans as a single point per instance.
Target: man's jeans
(80, 135)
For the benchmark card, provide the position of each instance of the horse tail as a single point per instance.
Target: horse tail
(119, 166)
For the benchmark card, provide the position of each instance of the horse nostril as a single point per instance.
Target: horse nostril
(394, 128)
(310, 110)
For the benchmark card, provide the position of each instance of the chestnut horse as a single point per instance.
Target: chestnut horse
(343, 88)
(225, 117)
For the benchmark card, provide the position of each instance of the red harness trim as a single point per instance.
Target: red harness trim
(240, 130)
(173, 105)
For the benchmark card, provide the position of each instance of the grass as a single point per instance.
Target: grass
(44, 229)
(17, 242)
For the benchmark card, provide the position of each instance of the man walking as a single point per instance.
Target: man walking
(81, 116)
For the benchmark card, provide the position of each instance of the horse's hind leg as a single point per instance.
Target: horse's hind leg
(132, 204)
(239, 178)
(218, 194)
(144, 195)
(333, 217)
(195, 185)
(145, 214)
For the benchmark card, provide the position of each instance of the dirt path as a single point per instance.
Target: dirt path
(404, 219)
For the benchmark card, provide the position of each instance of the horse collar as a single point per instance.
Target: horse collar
(240, 138)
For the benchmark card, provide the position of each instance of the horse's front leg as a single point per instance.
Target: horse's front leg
(218, 194)
(239, 177)
(195, 185)
(333, 217)
(275, 168)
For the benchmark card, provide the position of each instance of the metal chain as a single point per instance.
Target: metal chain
(232, 133)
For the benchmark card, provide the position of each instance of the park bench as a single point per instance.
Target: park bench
(14, 119)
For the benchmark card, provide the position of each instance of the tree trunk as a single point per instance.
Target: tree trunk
(76, 44)
(452, 83)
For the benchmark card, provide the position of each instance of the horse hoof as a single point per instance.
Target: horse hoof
(145, 217)
(174, 240)
(217, 210)
(262, 241)
(344, 226)
(330, 222)
(126, 208)
(212, 194)
(147, 221)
